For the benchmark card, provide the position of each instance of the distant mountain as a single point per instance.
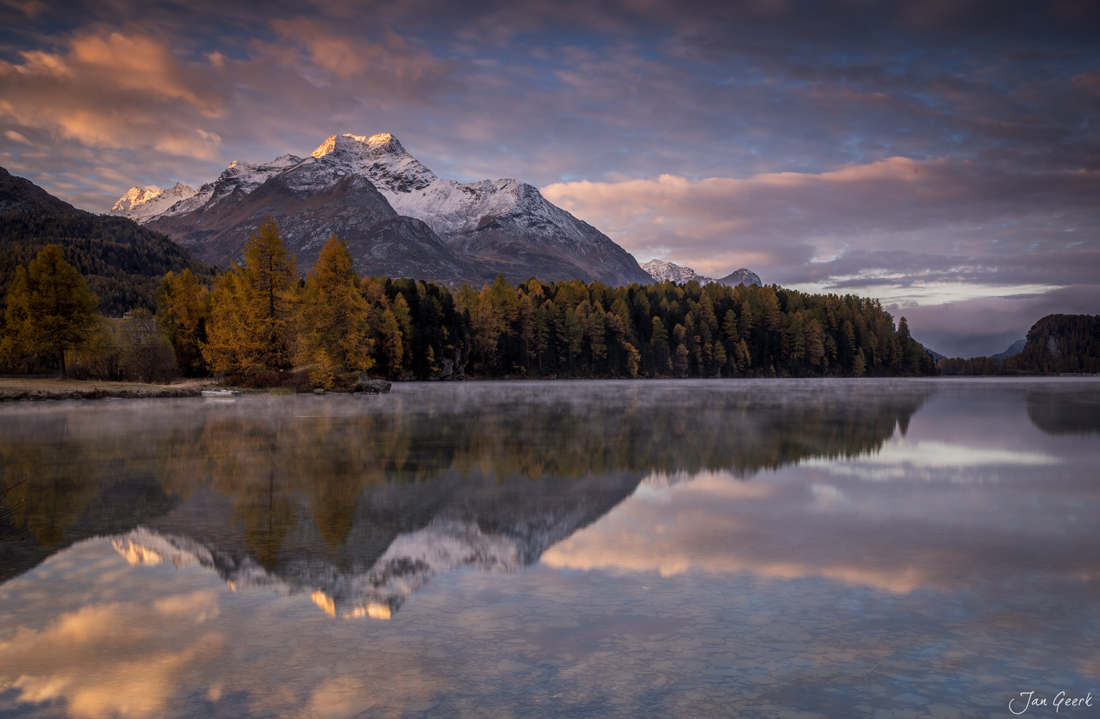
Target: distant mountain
(141, 205)
(662, 271)
(1014, 349)
(122, 261)
(741, 277)
(398, 218)
(1056, 344)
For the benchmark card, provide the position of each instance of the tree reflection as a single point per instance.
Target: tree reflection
(289, 476)
(1062, 411)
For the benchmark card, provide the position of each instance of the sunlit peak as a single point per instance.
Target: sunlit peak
(349, 141)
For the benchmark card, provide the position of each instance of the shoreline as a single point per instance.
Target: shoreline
(30, 390)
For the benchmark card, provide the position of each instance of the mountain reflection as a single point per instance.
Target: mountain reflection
(1059, 410)
(359, 501)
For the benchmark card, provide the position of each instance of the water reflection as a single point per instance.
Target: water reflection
(1062, 410)
(679, 549)
(384, 492)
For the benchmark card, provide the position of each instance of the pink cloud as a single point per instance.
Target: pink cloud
(115, 90)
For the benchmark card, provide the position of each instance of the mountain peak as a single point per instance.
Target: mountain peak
(136, 196)
(381, 144)
(139, 204)
(662, 271)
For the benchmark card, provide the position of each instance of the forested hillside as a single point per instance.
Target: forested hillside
(1056, 344)
(122, 262)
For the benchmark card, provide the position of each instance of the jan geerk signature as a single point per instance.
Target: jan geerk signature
(1026, 700)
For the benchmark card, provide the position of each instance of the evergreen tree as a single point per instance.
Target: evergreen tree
(50, 310)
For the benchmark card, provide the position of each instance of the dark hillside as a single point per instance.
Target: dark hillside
(1056, 344)
(122, 261)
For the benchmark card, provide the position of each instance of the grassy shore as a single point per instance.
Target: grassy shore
(42, 389)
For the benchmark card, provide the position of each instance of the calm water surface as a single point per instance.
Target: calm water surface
(678, 549)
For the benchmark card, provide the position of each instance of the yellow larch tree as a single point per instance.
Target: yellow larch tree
(333, 317)
(251, 308)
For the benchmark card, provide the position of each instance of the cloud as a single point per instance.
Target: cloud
(895, 221)
(111, 659)
(115, 90)
(914, 151)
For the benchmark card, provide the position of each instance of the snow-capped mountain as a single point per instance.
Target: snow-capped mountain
(507, 224)
(143, 205)
(486, 227)
(662, 271)
(310, 199)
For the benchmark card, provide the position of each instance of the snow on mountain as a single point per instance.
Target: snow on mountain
(503, 225)
(447, 206)
(506, 223)
(143, 205)
(662, 271)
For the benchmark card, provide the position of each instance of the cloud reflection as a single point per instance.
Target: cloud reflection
(904, 459)
(823, 519)
(114, 659)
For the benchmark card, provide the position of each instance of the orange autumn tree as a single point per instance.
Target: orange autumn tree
(251, 308)
(333, 317)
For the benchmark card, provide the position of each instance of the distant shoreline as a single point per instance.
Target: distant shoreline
(24, 390)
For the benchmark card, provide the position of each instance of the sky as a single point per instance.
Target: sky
(941, 155)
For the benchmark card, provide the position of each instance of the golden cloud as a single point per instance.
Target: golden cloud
(113, 659)
(116, 90)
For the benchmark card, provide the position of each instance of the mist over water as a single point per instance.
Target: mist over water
(680, 548)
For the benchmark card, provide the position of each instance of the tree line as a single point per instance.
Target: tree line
(1056, 344)
(259, 320)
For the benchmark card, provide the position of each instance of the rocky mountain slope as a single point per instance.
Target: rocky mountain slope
(662, 271)
(398, 218)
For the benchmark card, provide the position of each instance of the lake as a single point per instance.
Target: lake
(760, 548)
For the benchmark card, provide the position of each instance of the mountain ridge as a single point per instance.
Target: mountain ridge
(662, 271)
(473, 231)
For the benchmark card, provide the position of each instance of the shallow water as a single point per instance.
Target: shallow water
(684, 549)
